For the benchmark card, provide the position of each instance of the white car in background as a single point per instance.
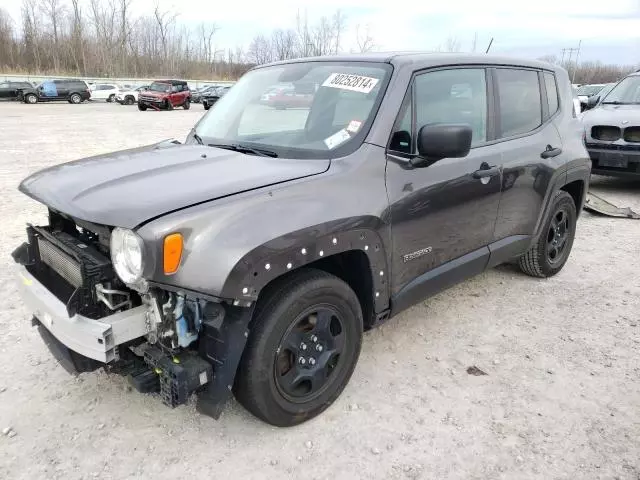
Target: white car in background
(104, 91)
(130, 96)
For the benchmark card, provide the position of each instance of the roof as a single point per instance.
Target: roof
(423, 59)
(172, 82)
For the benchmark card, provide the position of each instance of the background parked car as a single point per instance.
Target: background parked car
(165, 95)
(130, 96)
(196, 95)
(104, 91)
(586, 91)
(213, 95)
(10, 90)
(71, 90)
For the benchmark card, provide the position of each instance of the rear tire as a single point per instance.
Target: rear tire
(551, 249)
(304, 345)
(206, 106)
(75, 98)
(111, 98)
(30, 98)
(142, 108)
(129, 100)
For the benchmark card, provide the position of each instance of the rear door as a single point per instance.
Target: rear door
(531, 149)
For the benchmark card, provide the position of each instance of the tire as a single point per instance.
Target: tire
(111, 98)
(168, 105)
(129, 100)
(206, 106)
(75, 98)
(187, 104)
(142, 107)
(551, 249)
(260, 381)
(31, 98)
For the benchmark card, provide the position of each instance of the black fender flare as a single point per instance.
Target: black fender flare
(289, 252)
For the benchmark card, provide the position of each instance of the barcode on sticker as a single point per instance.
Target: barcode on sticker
(355, 83)
(203, 378)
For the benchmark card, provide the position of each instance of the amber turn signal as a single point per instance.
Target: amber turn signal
(172, 253)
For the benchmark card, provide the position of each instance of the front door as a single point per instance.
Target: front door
(443, 215)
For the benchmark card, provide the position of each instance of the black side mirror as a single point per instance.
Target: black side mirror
(442, 140)
(592, 101)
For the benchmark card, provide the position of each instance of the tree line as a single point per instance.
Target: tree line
(104, 38)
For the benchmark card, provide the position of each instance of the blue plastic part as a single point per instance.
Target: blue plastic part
(186, 337)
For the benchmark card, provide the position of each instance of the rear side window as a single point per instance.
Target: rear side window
(520, 104)
(552, 92)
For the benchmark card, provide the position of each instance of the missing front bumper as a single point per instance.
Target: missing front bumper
(95, 339)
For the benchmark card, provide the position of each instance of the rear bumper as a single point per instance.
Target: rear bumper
(94, 339)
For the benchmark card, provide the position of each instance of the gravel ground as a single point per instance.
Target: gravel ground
(561, 398)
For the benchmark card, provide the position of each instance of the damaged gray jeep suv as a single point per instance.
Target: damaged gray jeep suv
(251, 257)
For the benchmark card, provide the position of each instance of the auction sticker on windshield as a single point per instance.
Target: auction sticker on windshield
(336, 139)
(355, 83)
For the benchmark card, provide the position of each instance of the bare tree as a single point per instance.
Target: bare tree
(452, 44)
(283, 43)
(364, 39)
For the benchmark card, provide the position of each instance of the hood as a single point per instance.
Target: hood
(150, 93)
(618, 115)
(129, 187)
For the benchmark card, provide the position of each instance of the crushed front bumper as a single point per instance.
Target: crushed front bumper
(94, 339)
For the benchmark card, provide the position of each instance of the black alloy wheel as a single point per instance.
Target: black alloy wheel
(557, 235)
(303, 346)
(309, 354)
(552, 247)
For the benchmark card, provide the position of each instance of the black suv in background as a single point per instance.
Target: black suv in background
(73, 91)
(11, 90)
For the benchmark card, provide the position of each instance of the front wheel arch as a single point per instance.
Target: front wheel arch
(338, 253)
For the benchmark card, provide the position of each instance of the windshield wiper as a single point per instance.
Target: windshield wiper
(198, 138)
(244, 149)
(616, 102)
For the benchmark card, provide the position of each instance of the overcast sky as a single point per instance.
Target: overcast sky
(609, 30)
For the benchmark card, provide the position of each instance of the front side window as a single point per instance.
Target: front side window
(520, 106)
(453, 96)
(299, 110)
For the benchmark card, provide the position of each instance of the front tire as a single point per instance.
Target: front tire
(168, 104)
(304, 344)
(75, 98)
(551, 250)
(187, 104)
(206, 105)
(30, 98)
(141, 107)
(111, 98)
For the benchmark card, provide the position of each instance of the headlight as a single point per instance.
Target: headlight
(126, 255)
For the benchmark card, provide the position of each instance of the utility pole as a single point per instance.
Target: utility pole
(570, 51)
(577, 56)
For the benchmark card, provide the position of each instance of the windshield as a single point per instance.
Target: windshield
(589, 90)
(627, 91)
(160, 87)
(325, 110)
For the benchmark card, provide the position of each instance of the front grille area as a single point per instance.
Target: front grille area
(614, 147)
(632, 134)
(606, 132)
(64, 265)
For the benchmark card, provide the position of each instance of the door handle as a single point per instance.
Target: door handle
(486, 171)
(550, 152)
